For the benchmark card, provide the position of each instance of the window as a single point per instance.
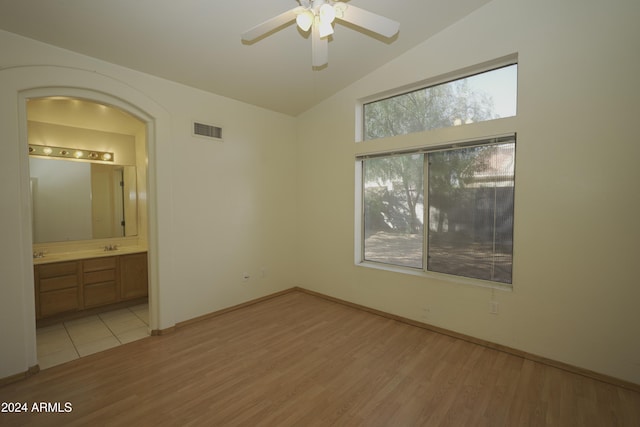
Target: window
(470, 212)
(446, 210)
(393, 210)
(485, 96)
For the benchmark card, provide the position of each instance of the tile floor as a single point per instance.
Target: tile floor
(70, 340)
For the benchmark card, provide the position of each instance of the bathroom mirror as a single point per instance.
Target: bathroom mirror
(74, 200)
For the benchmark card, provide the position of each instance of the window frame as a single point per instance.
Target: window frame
(423, 271)
(428, 140)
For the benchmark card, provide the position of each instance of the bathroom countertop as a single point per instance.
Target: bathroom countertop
(95, 253)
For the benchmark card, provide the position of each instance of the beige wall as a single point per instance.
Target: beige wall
(271, 199)
(576, 287)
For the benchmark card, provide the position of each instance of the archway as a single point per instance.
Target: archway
(17, 85)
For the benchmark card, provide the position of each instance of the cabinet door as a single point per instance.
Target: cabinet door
(99, 294)
(56, 302)
(133, 276)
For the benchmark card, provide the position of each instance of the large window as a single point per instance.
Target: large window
(446, 210)
(480, 97)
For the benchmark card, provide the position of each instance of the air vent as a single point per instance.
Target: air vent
(207, 131)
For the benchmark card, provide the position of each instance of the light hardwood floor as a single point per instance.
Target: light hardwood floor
(298, 359)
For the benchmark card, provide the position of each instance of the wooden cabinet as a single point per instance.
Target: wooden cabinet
(133, 276)
(72, 286)
(58, 288)
(100, 286)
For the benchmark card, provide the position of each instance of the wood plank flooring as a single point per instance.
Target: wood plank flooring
(298, 359)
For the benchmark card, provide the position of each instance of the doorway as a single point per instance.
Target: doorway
(91, 311)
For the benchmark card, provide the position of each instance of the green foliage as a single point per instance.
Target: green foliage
(391, 203)
(434, 107)
(449, 170)
(425, 109)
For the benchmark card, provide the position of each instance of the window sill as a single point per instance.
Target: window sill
(437, 276)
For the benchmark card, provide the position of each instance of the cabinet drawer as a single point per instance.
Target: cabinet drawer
(58, 301)
(58, 269)
(97, 264)
(99, 276)
(100, 294)
(56, 283)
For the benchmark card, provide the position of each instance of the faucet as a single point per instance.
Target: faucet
(39, 254)
(111, 247)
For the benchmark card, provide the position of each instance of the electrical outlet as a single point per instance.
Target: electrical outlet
(493, 307)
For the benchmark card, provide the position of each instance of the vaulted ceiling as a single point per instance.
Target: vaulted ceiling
(197, 42)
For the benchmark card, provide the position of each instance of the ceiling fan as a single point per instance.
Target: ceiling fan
(319, 16)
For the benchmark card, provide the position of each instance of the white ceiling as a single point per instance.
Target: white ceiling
(197, 42)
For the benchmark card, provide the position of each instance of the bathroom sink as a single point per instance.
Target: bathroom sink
(94, 253)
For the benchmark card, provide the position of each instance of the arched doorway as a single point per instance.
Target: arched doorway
(88, 175)
(17, 84)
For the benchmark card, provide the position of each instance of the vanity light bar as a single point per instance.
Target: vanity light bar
(69, 153)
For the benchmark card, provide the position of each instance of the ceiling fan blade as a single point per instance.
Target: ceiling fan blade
(272, 24)
(319, 47)
(368, 20)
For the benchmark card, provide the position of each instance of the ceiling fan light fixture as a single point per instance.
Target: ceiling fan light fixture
(305, 20)
(325, 29)
(327, 13)
(319, 16)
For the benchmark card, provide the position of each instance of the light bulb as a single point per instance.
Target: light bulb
(78, 154)
(47, 150)
(304, 20)
(325, 29)
(327, 13)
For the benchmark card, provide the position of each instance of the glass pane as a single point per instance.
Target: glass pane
(394, 210)
(471, 212)
(481, 97)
